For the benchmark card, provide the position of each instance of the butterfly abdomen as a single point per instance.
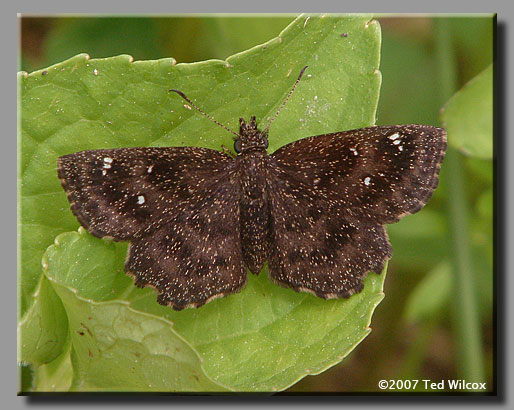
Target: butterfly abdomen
(254, 212)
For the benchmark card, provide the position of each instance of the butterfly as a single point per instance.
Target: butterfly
(198, 219)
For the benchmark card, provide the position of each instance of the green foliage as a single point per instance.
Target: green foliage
(187, 39)
(419, 240)
(219, 37)
(431, 295)
(409, 71)
(43, 331)
(115, 347)
(56, 375)
(103, 37)
(108, 335)
(468, 116)
(473, 38)
(410, 94)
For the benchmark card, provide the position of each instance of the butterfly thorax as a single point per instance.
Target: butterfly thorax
(250, 137)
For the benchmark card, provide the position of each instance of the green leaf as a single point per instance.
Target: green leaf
(468, 116)
(264, 338)
(57, 375)
(115, 348)
(25, 377)
(431, 295)
(43, 331)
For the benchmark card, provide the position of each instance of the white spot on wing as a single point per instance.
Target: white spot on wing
(141, 199)
(394, 136)
(396, 142)
(354, 151)
(107, 162)
(150, 169)
(367, 181)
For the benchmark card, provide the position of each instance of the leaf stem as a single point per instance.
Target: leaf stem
(466, 319)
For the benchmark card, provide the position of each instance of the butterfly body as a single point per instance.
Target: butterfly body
(251, 174)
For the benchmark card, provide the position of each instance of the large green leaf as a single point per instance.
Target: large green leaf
(264, 338)
(113, 346)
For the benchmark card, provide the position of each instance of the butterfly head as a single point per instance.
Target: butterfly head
(250, 137)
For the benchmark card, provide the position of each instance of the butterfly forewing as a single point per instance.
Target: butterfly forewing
(380, 173)
(331, 194)
(124, 192)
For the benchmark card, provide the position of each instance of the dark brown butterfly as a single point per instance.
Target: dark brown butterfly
(315, 209)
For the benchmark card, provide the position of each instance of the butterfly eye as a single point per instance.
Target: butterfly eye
(237, 146)
(266, 142)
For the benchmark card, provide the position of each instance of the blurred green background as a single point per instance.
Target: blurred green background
(436, 321)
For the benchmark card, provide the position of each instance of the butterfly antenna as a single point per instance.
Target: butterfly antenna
(192, 104)
(287, 98)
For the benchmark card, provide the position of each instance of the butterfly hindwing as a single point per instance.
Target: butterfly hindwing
(319, 248)
(196, 256)
(330, 196)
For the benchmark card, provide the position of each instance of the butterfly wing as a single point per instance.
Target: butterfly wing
(196, 256)
(178, 207)
(122, 192)
(330, 196)
(318, 247)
